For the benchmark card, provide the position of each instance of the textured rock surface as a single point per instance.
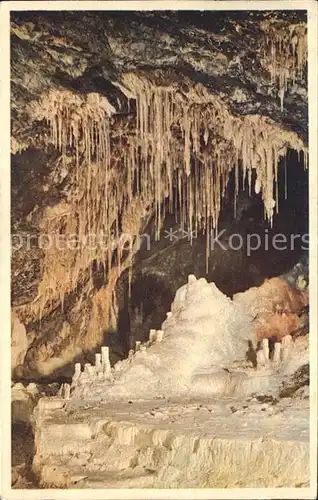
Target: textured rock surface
(88, 52)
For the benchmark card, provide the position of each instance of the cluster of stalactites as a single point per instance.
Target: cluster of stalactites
(284, 55)
(79, 127)
(185, 144)
(211, 142)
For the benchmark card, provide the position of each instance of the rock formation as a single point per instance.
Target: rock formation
(204, 337)
(201, 359)
(137, 139)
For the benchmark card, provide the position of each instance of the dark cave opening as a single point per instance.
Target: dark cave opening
(248, 251)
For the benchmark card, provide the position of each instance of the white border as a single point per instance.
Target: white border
(252, 493)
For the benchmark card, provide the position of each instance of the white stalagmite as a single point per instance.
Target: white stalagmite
(67, 391)
(152, 335)
(203, 342)
(91, 371)
(105, 359)
(287, 343)
(261, 360)
(87, 367)
(160, 334)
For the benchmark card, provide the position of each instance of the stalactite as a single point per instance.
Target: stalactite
(284, 54)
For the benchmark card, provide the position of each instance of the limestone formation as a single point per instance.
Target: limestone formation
(184, 404)
(137, 138)
(109, 138)
(198, 352)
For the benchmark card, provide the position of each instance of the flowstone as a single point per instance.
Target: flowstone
(207, 346)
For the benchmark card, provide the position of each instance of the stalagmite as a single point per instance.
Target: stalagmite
(202, 352)
(67, 391)
(87, 368)
(77, 373)
(91, 371)
(105, 359)
(265, 349)
(160, 334)
(152, 336)
(98, 362)
(261, 361)
(191, 279)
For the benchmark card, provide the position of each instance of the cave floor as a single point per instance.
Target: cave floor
(258, 442)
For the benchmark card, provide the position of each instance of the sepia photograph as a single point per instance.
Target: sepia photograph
(163, 247)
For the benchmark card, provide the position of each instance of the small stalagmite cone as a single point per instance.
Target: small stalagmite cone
(160, 334)
(61, 390)
(260, 358)
(287, 343)
(138, 344)
(265, 346)
(105, 359)
(32, 388)
(77, 373)
(86, 368)
(191, 279)
(130, 354)
(67, 391)
(152, 336)
(277, 353)
(98, 362)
